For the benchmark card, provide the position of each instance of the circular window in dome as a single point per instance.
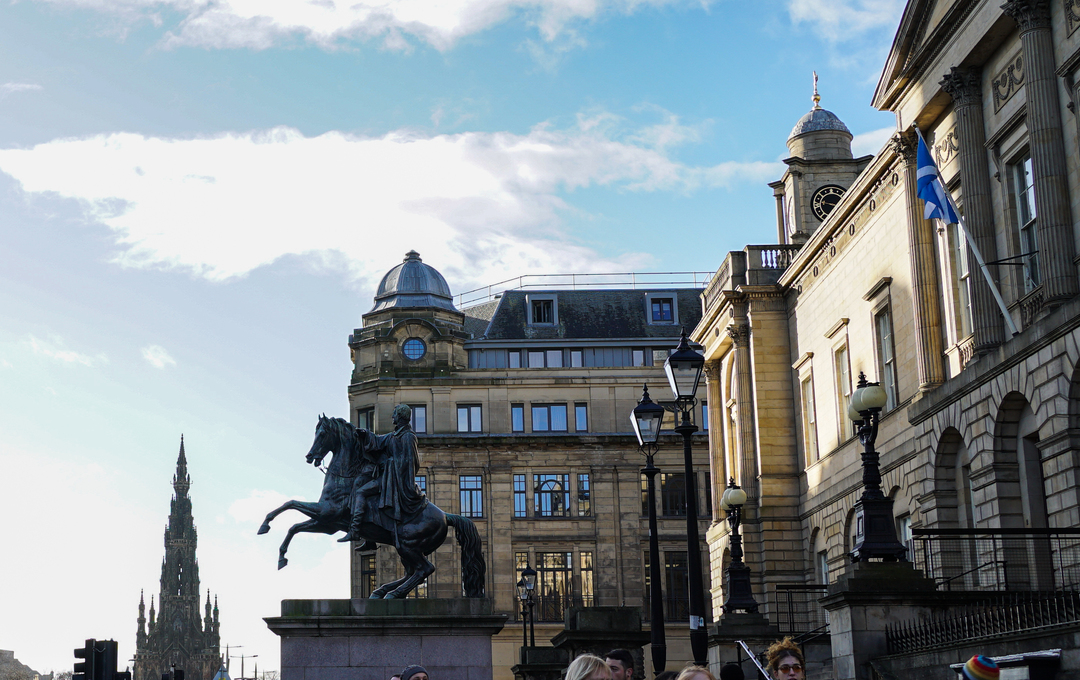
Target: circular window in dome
(414, 348)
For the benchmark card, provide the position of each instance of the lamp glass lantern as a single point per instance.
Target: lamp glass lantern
(523, 592)
(646, 418)
(683, 370)
(869, 396)
(733, 495)
(528, 575)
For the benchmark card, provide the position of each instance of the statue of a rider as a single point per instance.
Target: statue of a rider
(391, 495)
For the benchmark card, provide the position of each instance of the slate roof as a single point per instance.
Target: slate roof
(586, 314)
(818, 119)
(477, 318)
(413, 284)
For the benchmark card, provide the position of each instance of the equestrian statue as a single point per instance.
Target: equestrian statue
(370, 493)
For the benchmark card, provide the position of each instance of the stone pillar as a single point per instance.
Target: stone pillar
(926, 288)
(717, 472)
(778, 194)
(746, 440)
(965, 88)
(1046, 138)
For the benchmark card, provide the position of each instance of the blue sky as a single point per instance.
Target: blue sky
(197, 198)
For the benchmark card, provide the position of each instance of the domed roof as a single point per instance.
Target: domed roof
(413, 284)
(818, 119)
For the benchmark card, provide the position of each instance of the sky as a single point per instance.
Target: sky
(198, 198)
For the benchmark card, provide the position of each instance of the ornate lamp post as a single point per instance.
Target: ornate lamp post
(740, 593)
(877, 538)
(527, 594)
(683, 370)
(646, 419)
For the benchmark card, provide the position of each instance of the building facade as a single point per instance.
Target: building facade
(175, 634)
(522, 406)
(980, 431)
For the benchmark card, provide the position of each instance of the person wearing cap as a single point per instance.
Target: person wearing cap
(414, 673)
(980, 668)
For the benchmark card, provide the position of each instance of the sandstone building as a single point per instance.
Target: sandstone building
(176, 635)
(522, 407)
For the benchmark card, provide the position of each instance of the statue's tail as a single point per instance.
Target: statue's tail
(473, 567)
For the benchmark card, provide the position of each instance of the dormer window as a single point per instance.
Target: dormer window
(661, 309)
(543, 310)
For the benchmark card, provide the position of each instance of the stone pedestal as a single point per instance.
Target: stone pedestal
(753, 629)
(541, 663)
(374, 639)
(864, 600)
(598, 630)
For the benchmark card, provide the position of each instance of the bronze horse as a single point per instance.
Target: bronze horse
(417, 537)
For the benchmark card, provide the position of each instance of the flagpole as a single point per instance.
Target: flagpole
(971, 244)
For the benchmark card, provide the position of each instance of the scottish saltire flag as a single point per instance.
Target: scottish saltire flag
(929, 187)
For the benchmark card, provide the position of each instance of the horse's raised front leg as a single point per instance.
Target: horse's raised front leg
(311, 525)
(309, 509)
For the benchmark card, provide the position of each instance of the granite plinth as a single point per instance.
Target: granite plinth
(374, 639)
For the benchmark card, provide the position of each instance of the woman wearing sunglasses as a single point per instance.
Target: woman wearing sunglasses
(786, 661)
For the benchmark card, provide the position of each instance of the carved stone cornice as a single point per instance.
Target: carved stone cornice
(740, 334)
(905, 145)
(964, 85)
(1029, 15)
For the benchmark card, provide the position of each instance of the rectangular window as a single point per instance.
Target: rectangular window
(587, 583)
(367, 574)
(551, 495)
(704, 415)
(672, 495)
(542, 311)
(644, 496)
(638, 357)
(517, 417)
(960, 281)
(536, 358)
(468, 418)
(676, 586)
(1024, 182)
(554, 358)
(843, 389)
(549, 418)
(471, 492)
(659, 356)
(419, 418)
(886, 357)
(823, 567)
(553, 582)
(514, 359)
(576, 358)
(550, 358)
(519, 496)
(421, 483)
(365, 419)
(810, 436)
(584, 495)
(581, 417)
(662, 310)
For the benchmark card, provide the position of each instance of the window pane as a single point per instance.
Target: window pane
(515, 359)
(471, 490)
(519, 496)
(639, 357)
(554, 358)
(463, 419)
(517, 417)
(553, 579)
(540, 419)
(581, 417)
(677, 586)
(584, 497)
(558, 417)
(421, 483)
(551, 495)
(586, 578)
(474, 419)
(672, 495)
(576, 358)
(705, 415)
(536, 359)
(419, 419)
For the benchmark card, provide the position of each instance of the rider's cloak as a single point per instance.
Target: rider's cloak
(399, 497)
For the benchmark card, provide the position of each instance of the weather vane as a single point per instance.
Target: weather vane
(817, 97)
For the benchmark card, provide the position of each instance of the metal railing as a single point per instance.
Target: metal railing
(999, 559)
(1001, 614)
(633, 280)
(798, 611)
(676, 609)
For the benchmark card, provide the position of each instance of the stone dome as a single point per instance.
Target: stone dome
(818, 120)
(413, 284)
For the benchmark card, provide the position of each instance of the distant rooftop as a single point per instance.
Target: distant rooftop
(612, 281)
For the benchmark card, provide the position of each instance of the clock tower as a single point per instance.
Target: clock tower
(819, 171)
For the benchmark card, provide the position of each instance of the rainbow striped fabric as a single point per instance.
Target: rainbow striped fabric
(980, 668)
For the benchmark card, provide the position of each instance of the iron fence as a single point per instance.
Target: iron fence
(798, 610)
(676, 609)
(1000, 614)
(999, 559)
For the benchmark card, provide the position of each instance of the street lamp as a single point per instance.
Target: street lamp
(683, 370)
(646, 419)
(740, 593)
(877, 538)
(527, 594)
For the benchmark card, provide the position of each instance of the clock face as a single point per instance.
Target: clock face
(825, 199)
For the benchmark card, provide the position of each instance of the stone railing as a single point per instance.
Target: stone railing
(753, 265)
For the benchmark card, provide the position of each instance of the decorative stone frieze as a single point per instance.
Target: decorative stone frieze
(1008, 81)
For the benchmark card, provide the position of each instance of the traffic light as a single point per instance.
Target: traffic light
(85, 669)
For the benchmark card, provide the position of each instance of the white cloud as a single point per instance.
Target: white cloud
(253, 508)
(54, 349)
(481, 207)
(8, 88)
(158, 356)
(871, 142)
(841, 20)
(259, 24)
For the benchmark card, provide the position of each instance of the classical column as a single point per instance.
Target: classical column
(1045, 135)
(717, 473)
(747, 446)
(965, 88)
(925, 287)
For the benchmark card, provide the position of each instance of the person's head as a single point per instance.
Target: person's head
(732, 671)
(402, 415)
(621, 663)
(692, 672)
(785, 660)
(414, 673)
(980, 668)
(587, 667)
